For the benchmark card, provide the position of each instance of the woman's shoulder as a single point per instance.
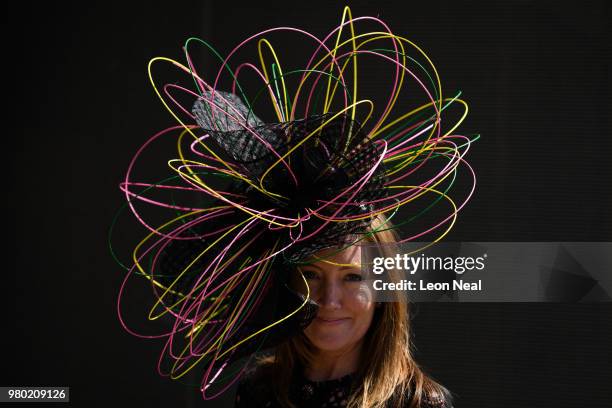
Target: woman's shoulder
(255, 386)
(256, 374)
(432, 395)
(437, 398)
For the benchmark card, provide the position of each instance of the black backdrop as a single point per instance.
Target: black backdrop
(536, 75)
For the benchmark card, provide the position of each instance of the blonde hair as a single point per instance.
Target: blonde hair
(388, 373)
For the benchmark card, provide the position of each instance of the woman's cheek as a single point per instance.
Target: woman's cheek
(363, 296)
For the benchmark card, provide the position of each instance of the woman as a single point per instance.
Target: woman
(356, 353)
(330, 157)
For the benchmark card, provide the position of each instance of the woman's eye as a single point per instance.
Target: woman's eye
(309, 274)
(354, 277)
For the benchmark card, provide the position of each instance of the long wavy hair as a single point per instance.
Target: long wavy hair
(388, 375)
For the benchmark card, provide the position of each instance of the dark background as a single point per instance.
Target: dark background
(78, 103)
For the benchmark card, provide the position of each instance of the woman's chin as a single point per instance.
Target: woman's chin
(330, 346)
(329, 342)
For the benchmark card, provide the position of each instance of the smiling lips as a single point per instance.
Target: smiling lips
(331, 321)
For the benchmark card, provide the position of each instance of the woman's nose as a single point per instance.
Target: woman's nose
(330, 295)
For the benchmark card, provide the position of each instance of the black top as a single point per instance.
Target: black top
(255, 391)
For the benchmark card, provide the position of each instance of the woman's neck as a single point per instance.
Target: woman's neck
(330, 365)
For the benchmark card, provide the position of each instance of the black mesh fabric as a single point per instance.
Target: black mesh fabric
(255, 390)
(329, 153)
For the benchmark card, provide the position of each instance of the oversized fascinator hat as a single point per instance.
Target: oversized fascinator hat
(244, 200)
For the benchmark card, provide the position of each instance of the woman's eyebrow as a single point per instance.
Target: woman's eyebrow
(311, 265)
(351, 266)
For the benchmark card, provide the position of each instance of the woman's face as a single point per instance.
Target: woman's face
(346, 305)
